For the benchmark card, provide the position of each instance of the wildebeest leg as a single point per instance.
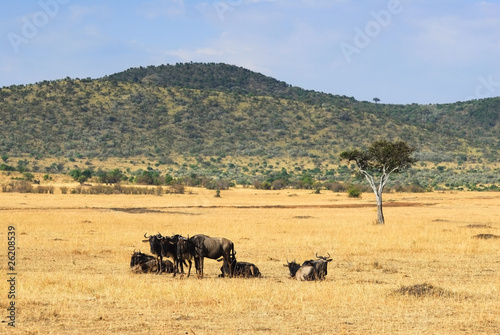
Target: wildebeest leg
(158, 264)
(182, 267)
(201, 261)
(189, 271)
(230, 262)
(176, 266)
(197, 265)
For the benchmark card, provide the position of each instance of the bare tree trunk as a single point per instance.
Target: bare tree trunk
(380, 213)
(378, 190)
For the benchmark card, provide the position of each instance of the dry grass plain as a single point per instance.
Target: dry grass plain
(74, 252)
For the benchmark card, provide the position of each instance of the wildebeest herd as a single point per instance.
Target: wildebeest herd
(183, 250)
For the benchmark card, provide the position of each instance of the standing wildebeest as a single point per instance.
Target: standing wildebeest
(185, 251)
(155, 243)
(301, 272)
(164, 246)
(201, 246)
(140, 262)
(320, 264)
(169, 249)
(241, 269)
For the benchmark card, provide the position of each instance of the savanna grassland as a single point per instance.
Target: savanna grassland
(421, 273)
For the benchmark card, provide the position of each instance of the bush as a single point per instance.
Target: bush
(354, 192)
(159, 190)
(177, 189)
(278, 184)
(45, 189)
(4, 167)
(149, 177)
(262, 185)
(219, 184)
(336, 187)
(21, 186)
(111, 177)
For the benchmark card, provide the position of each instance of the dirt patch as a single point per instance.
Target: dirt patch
(477, 226)
(303, 217)
(423, 290)
(142, 210)
(182, 213)
(370, 205)
(138, 210)
(486, 236)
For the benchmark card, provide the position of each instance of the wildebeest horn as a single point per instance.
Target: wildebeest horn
(328, 256)
(317, 255)
(145, 235)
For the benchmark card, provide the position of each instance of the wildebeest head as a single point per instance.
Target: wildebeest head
(325, 258)
(321, 265)
(138, 257)
(154, 243)
(293, 267)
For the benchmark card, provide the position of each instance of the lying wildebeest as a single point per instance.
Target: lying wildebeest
(320, 264)
(241, 269)
(140, 262)
(164, 246)
(201, 246)
(301, 272)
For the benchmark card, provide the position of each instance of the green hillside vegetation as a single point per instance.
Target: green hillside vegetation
(219, 120)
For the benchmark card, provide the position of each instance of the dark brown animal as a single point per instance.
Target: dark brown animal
(164, 246)
(202, 246)
(155, 244)
(320, 264)
(143, 263)
(301, 272)
(241, 269)
(185, 252)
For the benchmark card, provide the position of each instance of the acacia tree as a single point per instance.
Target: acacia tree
(381, 160)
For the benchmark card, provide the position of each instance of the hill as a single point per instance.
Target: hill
(212, 111)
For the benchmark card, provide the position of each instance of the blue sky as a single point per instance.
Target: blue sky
(401, 51)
